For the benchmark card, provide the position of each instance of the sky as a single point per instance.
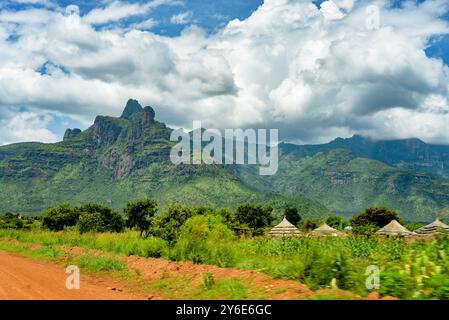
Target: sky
(316, 70)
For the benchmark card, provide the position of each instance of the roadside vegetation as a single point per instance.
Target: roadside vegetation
(408, 269)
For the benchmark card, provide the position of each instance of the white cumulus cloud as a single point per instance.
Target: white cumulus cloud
(314, 72)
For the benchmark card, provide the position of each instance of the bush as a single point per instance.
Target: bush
(205, 239)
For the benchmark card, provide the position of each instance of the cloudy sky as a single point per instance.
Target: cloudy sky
(316, 70)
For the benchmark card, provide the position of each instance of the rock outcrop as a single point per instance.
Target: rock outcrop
(106, 130)
(71, 133)
(132, 107)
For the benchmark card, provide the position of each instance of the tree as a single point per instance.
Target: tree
(99, 218)
(59, 217)
(255, 217)
(374, 216)
(168, 224)
(228, 218)
(336, 222)
(140, 214)
(91, 222)
(292, 215)
(309, 224)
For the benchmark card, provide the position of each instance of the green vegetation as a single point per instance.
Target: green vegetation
(45, 252)
(409, 270)
(292, 215)
(337, 222)
(139, 214)
(118, 160)
(12, 247)
(87, 218)
(372, 219)
(15, 221)
(255, 217)
(98, 263)
(214, 236)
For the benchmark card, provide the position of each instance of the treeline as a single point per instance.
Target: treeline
(16, 221)
(144, 216)
(252, 219)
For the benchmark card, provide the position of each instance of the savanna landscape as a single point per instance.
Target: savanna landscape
(225, 150)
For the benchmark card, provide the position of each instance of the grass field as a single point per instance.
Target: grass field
(408, 270)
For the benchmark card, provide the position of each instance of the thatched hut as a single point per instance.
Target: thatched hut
(284, 230)
(433, 229)
(326, 230)
(394, 228)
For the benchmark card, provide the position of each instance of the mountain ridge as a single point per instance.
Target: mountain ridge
(120, 159)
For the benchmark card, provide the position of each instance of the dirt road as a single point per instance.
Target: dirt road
(25, 279)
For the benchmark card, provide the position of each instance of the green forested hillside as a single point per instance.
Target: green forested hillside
(127, 158)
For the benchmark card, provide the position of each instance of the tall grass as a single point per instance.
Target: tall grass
(408, 270)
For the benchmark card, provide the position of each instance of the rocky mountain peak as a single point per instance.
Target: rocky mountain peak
(132, 107)
(71, 133)
(148, 115)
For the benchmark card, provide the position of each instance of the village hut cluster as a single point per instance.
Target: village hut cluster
(286, 229)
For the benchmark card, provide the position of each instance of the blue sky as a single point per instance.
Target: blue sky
(316, 72)
(209, 15)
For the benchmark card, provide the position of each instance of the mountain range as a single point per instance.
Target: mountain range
(121, 159)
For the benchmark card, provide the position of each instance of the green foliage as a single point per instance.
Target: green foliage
(309, 224)
(336, 222)
(375, 216)
(409, 270)
(208, 280)
(99, 218)
(140, 214)
(167, 225)
(292, 215)
(414, 226)
(15, 221)
(45, 252)
(59, 217)
(196, 239)
(255, 217)
(98, 263)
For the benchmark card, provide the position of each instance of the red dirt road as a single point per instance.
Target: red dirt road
(24, 279)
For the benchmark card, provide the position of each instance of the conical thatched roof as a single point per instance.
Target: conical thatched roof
(394, 228)
(433, 228)
(285, 229)
(326, 230)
